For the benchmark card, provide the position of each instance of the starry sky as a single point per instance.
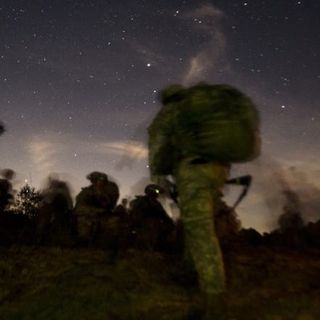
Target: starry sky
(79, 83)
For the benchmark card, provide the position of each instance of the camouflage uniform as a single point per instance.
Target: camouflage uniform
(199, 188)
(184, 143)
(94, 206)
(87, 212)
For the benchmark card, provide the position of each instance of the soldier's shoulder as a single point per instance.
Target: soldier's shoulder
(113, 185)
(84, 191)
(136, 199)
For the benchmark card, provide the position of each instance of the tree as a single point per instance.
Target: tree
(27, 201)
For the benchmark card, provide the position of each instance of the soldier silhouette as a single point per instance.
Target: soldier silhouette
(92, 203)
(149, 222)
(195, 137)
(6, 192)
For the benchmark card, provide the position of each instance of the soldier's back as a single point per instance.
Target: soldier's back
(112, 191)
(5, 195)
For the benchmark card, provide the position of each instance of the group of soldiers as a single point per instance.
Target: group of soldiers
(95, 220)
(141, 223)
(195, 137)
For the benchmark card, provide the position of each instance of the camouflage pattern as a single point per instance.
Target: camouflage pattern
(106, 193)
(162, 153)
(87, 227)
(199, 186)
(218, 123)
(214, 122)
(94, 207)
(194, 137)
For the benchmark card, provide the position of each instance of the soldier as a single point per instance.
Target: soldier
(196, 135)
(92, 203)
(291, 219)
(149, 222)
(6, 195)
(121, 217)
(226, 222)
(122, 208)
(2, 129)
(54, 215)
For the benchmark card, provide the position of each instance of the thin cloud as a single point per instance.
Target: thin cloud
(42, 153)
(131, 149)
(206, 19)
(208, 10)
(146, 54)
(272, 177)
(47, 152)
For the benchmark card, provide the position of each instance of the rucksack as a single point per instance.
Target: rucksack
(204, 122)
(217, 123)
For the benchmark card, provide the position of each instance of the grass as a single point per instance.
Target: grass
(53, 283)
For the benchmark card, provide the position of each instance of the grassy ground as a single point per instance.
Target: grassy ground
(52, 283)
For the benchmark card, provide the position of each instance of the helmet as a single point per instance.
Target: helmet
(153, 190)
(97, 176)
(174, 92)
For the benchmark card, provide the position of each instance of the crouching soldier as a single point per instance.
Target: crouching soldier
(92, 204)
(54, 220)
(151, 227)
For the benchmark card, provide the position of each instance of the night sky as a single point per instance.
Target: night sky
(79, 83)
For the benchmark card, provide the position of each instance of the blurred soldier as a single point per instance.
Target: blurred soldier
(2, 129)
(196, 135)
(122, 208)
(54, 215)
(6, 197)
(291, 219)
(121, 216)
(149, 222)
(226, 222)
(92, 203)
(6, 193)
